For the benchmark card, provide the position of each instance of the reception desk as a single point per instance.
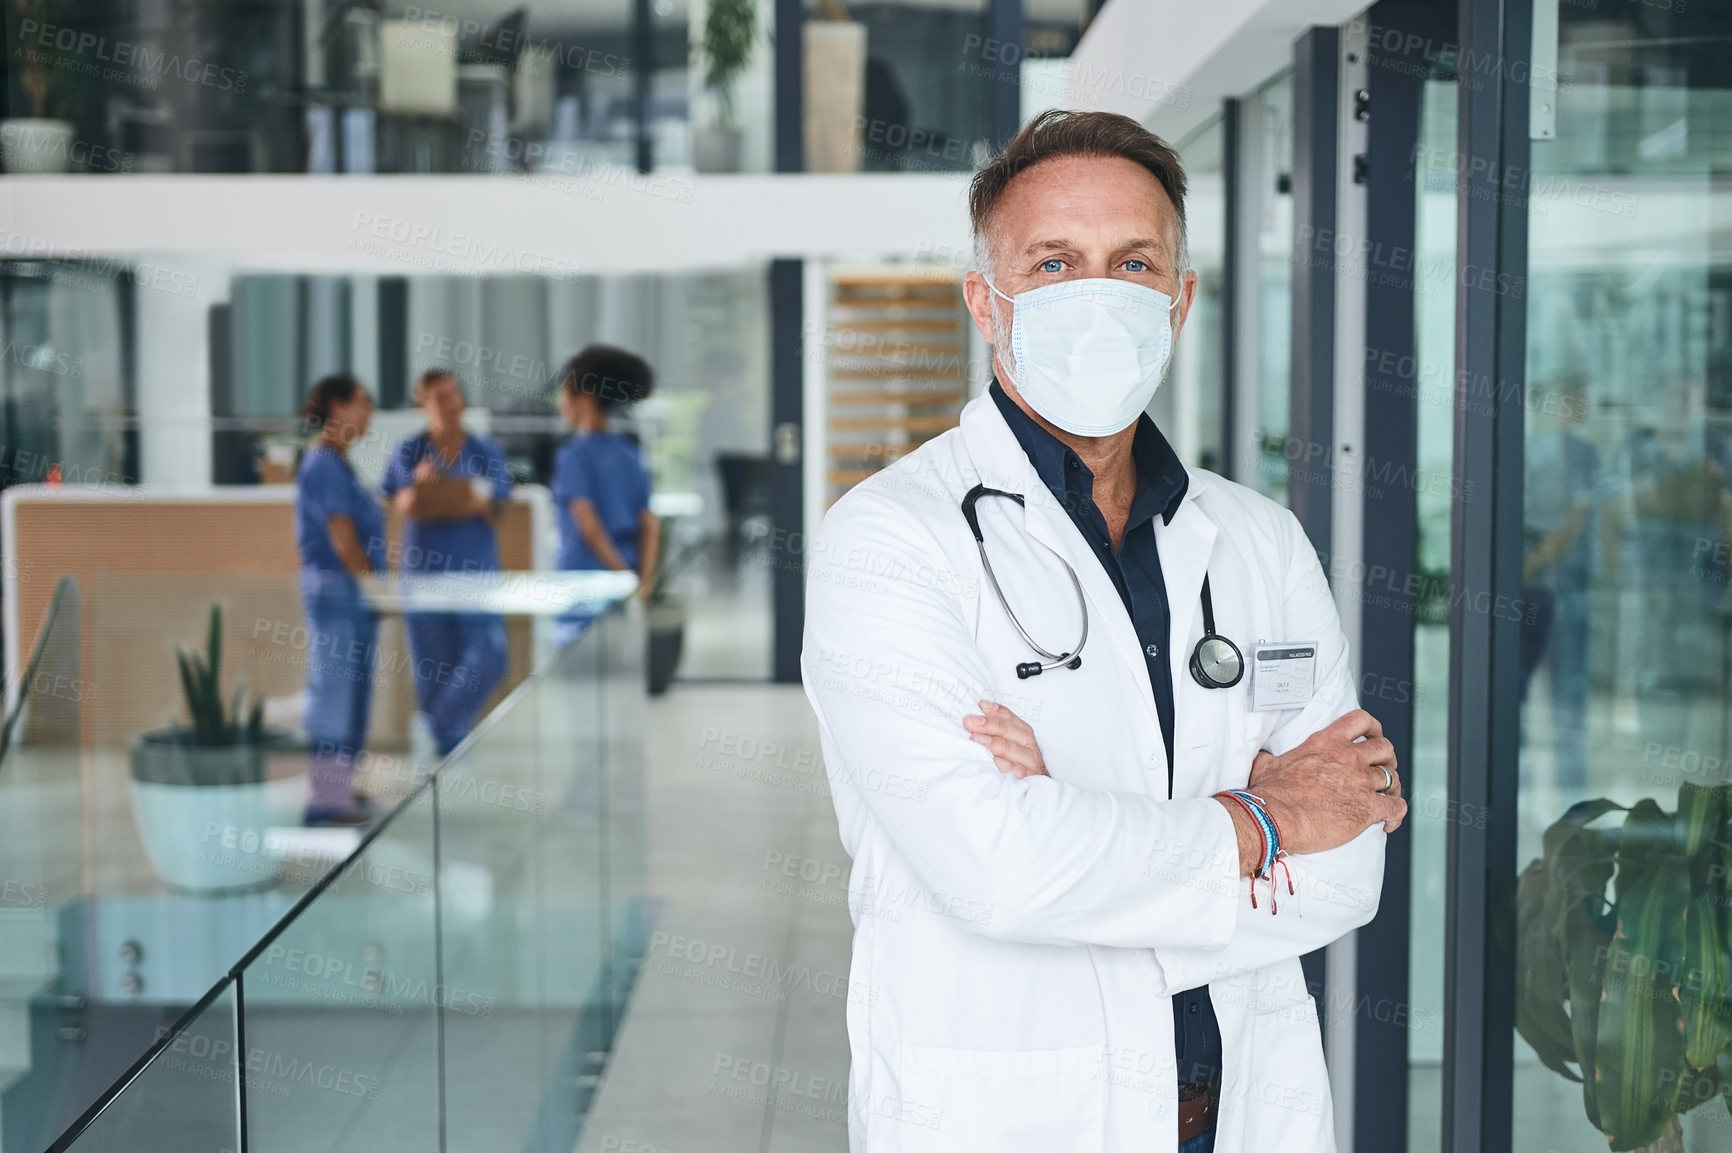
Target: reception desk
(149, 566)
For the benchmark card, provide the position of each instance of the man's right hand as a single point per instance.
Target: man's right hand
(1324, 793)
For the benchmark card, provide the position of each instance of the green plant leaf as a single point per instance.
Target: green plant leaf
(237, 712)
(1701, 813)
(1590, 937)
(214, 657)
(1639, 1045)
(1542, 980)
(189, 683)
(1702, 988)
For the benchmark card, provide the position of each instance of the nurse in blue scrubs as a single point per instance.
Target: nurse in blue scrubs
(601, 489)
(340, 535)
(449, 484)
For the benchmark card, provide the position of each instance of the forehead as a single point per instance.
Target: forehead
(1088, 199)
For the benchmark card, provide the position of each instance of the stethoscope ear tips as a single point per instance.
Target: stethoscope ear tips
(1030, 669)
(1076, 663)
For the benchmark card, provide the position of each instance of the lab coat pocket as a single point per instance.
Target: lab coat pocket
(1038, 1100)
(1287, 1092)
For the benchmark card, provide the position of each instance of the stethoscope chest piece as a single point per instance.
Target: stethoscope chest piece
(1216, 662)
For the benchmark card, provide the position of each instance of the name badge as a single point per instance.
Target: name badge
(1283, 676)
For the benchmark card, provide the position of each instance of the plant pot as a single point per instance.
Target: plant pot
(835, 63)
(32, 144)
(665, 632)
(203, 812)
(716, 149)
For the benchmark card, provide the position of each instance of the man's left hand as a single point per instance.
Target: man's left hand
(1008, 737)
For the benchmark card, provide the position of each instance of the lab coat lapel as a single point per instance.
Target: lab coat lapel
(1002, 464)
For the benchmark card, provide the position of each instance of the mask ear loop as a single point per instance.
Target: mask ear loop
(994, 288)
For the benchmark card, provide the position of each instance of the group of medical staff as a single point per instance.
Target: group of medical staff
(449, 485)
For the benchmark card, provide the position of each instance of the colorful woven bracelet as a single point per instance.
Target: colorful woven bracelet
(1262, 835)
(1271, 834)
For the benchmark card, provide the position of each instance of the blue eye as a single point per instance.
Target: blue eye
(1046, 265)
(1141, 266)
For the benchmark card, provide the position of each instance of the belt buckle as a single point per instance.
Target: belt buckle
(1198, 1101)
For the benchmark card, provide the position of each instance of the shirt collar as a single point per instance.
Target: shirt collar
(1161, 477)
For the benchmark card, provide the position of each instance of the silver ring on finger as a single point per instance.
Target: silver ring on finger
(1388, 780)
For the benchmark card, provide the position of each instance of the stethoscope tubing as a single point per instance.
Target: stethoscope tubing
(1051, 660)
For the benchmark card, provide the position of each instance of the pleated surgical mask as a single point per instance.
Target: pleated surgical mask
(1090, 353)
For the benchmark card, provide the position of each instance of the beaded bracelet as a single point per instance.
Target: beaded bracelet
(1271, 851)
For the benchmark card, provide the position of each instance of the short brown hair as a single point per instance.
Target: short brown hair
(431, 377)
(1063, 132)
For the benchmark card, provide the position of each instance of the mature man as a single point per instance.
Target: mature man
(1088, 721)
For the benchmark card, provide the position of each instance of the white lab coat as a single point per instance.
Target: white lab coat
(1017, 942)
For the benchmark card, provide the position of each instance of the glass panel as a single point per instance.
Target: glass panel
(341, 1009)
(1265, 324)
(521, 939)
(1433, 378)
(1626, 646)
(925, 73)
(1188, 407)
(184, 1100)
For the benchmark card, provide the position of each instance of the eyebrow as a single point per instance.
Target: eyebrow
(1060, 244)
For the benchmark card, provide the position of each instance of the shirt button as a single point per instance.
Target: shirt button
(1153, 651)
(1193, 1006)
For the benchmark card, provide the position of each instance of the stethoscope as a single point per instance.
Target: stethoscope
(1216, 662)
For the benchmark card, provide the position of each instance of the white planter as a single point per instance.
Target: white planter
(212, 837)
(835, 64)
(216, 838)
(28, 144)
(716, 149)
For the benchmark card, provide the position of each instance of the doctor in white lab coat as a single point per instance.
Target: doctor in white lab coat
(1028, 890)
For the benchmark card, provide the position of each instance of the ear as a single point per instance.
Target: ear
(1187, 297)
(979, 298)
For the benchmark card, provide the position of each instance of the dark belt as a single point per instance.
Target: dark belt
(1198, 1103)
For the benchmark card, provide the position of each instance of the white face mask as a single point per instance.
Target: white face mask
(1089, 353)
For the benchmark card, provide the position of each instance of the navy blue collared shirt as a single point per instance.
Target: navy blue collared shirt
(1135, 569)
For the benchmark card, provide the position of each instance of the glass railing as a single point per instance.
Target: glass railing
(452, 977)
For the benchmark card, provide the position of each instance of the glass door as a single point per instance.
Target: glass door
(1626, 653)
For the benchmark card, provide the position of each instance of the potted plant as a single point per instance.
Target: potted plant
(199, 793)
(41, 141)
(730, 31)
(1623, 963)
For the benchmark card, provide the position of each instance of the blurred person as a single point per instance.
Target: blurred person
(1668, 500)
(449, 485)
(601, 488)
(1563, 490)
(340, 535)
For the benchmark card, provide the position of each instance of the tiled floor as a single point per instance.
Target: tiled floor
(737, 994)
